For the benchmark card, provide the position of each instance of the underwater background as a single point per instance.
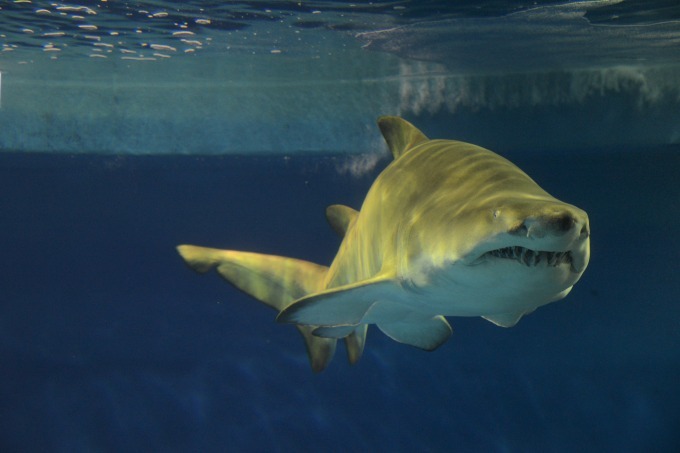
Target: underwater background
(127, 128)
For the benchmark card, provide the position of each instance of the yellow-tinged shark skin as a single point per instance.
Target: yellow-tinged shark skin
(447, 229)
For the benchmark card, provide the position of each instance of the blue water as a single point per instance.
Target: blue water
(108, 342)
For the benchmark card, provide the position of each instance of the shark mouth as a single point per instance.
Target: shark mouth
(530, 257)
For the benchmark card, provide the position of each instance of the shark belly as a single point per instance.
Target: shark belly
(459, 292)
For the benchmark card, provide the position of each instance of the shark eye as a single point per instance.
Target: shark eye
(496, 213)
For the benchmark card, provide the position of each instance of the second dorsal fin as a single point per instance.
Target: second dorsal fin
(340, 218)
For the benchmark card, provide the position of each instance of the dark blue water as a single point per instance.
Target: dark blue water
(109, 343)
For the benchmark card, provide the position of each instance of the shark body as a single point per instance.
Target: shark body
(447, 229)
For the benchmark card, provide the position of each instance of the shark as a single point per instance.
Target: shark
(447, 229)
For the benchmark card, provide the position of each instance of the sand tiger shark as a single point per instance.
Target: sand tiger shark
(447, 229)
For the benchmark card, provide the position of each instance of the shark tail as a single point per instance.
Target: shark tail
(276, 281)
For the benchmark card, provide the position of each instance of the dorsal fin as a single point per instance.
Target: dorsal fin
(340, 217)
(399, 134)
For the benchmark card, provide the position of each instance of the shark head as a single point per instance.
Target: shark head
(549, 236)
(499, 246)
(537, 249)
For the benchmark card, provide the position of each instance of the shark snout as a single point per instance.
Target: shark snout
(554, 223)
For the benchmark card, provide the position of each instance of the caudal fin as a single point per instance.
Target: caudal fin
(274, 280)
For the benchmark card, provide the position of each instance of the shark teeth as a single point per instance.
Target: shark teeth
(530, 257)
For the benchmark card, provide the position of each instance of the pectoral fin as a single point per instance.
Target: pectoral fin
(341, 306)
